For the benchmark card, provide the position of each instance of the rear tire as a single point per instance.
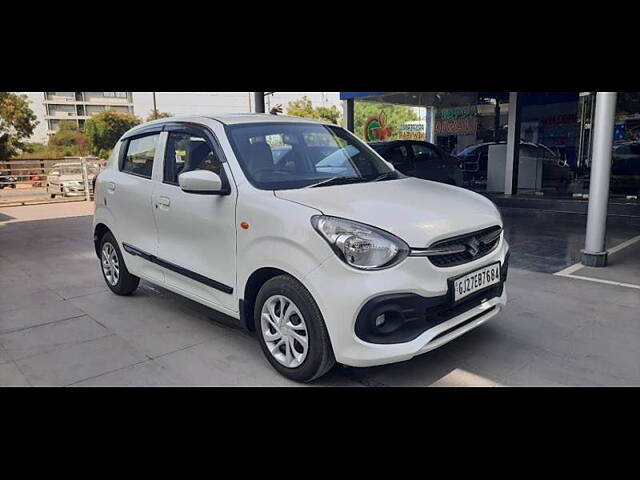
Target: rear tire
(296, 316)
(114, 270)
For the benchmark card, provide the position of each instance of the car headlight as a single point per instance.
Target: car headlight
(359, 245)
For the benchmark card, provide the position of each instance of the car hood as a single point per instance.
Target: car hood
(418, 211)
(66, 178)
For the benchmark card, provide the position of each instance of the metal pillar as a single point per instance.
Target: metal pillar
(85, 179)
(259, 101)
(513, 145)
(496, 121)
(348, 109)
(594, 253)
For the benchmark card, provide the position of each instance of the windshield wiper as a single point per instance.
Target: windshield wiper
(337, 181)
(384, 176)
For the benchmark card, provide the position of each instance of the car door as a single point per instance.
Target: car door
(128, 192)
(196, 232)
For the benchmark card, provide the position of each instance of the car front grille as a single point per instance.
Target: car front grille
(476, 245)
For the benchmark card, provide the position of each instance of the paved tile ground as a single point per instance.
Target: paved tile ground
(60, 325)
(622, 266)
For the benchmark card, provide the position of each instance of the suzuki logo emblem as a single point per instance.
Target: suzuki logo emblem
(473, 246)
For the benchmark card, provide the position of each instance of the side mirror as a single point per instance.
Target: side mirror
(204, 182)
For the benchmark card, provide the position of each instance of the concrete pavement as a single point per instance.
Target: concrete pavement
(60, 325)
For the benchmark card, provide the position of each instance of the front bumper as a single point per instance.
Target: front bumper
(73, 190)
(415, 285)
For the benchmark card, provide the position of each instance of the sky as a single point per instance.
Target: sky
(220, 102)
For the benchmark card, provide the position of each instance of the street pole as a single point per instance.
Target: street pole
(155, 107)
(594, 253)
(85, 178)
(259, 101)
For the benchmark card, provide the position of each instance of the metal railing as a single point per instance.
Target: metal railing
(45, 180)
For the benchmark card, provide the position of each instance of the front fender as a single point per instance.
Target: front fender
(280, 235)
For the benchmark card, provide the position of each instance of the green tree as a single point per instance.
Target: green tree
(329, 114)
(303, 107)
(395, 115)
(104, 129)
(38, 151)
(17, 122)
(69, 140)
(156, 114)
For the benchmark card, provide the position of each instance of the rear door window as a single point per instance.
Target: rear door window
(139, 157)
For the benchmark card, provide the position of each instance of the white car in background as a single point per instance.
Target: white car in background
(328, 258)
(67, 180)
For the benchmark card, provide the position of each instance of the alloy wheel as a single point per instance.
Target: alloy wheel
(284, 331)
(110, 264)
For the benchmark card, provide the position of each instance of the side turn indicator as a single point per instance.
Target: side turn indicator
(244, 225)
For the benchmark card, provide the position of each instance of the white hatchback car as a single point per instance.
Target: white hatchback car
(324, 249)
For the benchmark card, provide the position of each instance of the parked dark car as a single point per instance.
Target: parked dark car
(6, 180)
(625, 168)
(421, 159)
(556, 171)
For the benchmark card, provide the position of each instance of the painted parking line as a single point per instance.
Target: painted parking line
(600, 280)
(568, 272)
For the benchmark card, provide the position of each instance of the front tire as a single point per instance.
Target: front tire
(114, 270)
(291, 330)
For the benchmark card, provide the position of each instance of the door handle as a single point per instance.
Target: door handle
(164, 201)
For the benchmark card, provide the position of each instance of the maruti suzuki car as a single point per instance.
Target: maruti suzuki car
(325, 250)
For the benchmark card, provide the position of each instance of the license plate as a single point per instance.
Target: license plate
(476, 281)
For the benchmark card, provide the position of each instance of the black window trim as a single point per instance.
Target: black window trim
(124, 148)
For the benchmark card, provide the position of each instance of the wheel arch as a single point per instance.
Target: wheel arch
(251, 288)
(99, 231)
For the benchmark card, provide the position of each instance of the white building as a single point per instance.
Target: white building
(51, 108)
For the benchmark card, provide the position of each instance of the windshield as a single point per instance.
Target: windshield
(68, 169)
(279, 156)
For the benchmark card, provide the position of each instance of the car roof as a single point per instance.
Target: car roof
(237, 118)
(225, 119)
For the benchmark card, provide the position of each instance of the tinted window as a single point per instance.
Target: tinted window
(396, 154)
(185, 153)
(423, 153)
(139, 157)
(635, 149)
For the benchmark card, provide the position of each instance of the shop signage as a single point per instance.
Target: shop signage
(375, 128)
(412, 131)
(456, 121)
